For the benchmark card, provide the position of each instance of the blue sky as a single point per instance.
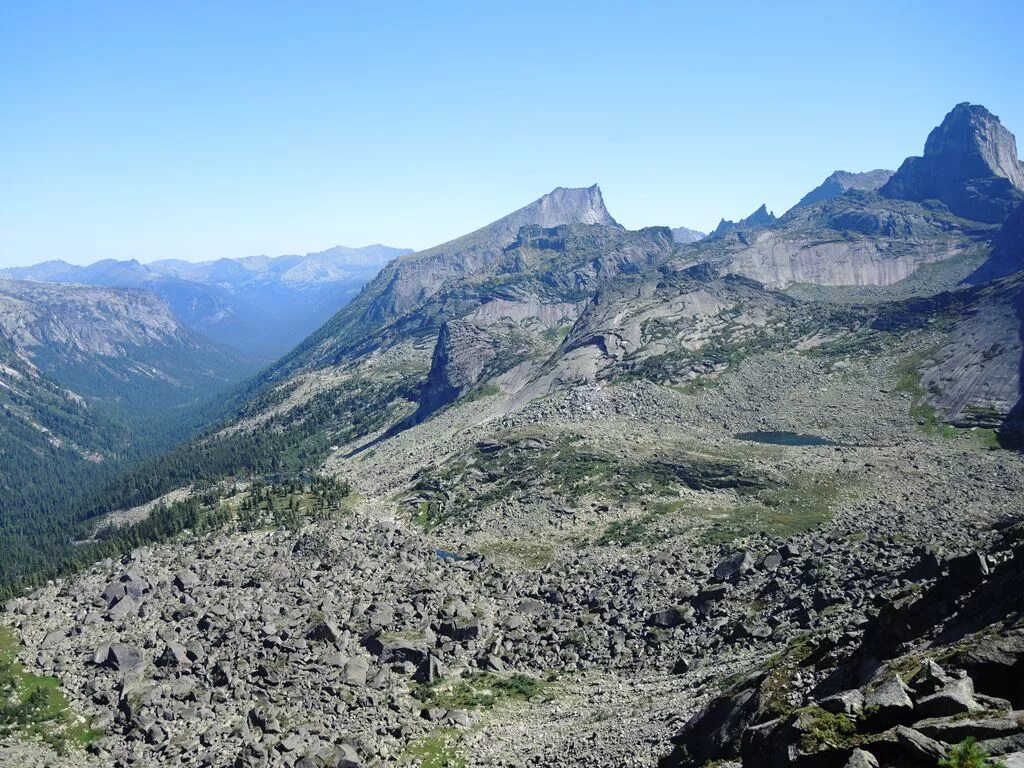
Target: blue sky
(202, 130)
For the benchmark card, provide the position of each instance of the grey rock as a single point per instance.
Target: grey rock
(123, 608)
(53, 638)
(672, 617)
(326, 632)
(174, 654)
(186, 580)
(844, 703)
(124, 657)
(890, 701)
(955, 698)
(734, 567)
(860, 758)
(957, 728)
(919, 745)
(355, 671)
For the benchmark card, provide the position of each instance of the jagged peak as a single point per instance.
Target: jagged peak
(762, 217)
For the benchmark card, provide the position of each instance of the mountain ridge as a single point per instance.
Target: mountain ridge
(259, 305)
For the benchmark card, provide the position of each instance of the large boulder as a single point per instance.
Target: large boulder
(124, 657)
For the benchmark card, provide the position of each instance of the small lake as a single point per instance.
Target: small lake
(784, 438)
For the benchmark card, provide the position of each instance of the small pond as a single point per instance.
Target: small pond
(784, 438)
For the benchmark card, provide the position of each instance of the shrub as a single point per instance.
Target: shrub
(968, 754)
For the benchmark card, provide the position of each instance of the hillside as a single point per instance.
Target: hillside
(91, 380)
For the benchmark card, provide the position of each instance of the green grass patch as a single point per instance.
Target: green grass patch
(823, 729)
(928, 420)
(781, 511)
(571, 469)
(438, 750)
(33, 706)
(480, 690)
(529, 555)
(649, 528)
(478, 393)
(556, 334)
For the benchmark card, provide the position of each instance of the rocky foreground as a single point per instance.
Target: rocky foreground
(551, 624)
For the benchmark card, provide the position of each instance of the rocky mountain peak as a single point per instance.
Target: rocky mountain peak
(973, 139)
(970, 163)
(565, 205)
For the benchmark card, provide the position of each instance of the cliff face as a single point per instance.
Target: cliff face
(853, 239)
(1007, 250)
(970, 163)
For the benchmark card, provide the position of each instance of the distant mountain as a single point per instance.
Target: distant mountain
(685, 235)
(260, 306)
(857, 229)
(842, 181)
(970, 164)
(757, 220)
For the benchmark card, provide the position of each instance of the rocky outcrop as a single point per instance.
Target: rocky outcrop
(974, 379)
(759, 219)
(840, 182)
(461, 356)
(81, 321)
(1007, 250)
(886, 700)
(660, 327)
(969, 163)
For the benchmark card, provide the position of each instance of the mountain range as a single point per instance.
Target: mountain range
(260, 306)
(557, 492)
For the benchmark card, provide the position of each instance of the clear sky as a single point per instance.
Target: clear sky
(199, 130)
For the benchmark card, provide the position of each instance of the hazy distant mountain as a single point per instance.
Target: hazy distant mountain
(258, 305)
(685, 235)
(842, 181)
(970, 164)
